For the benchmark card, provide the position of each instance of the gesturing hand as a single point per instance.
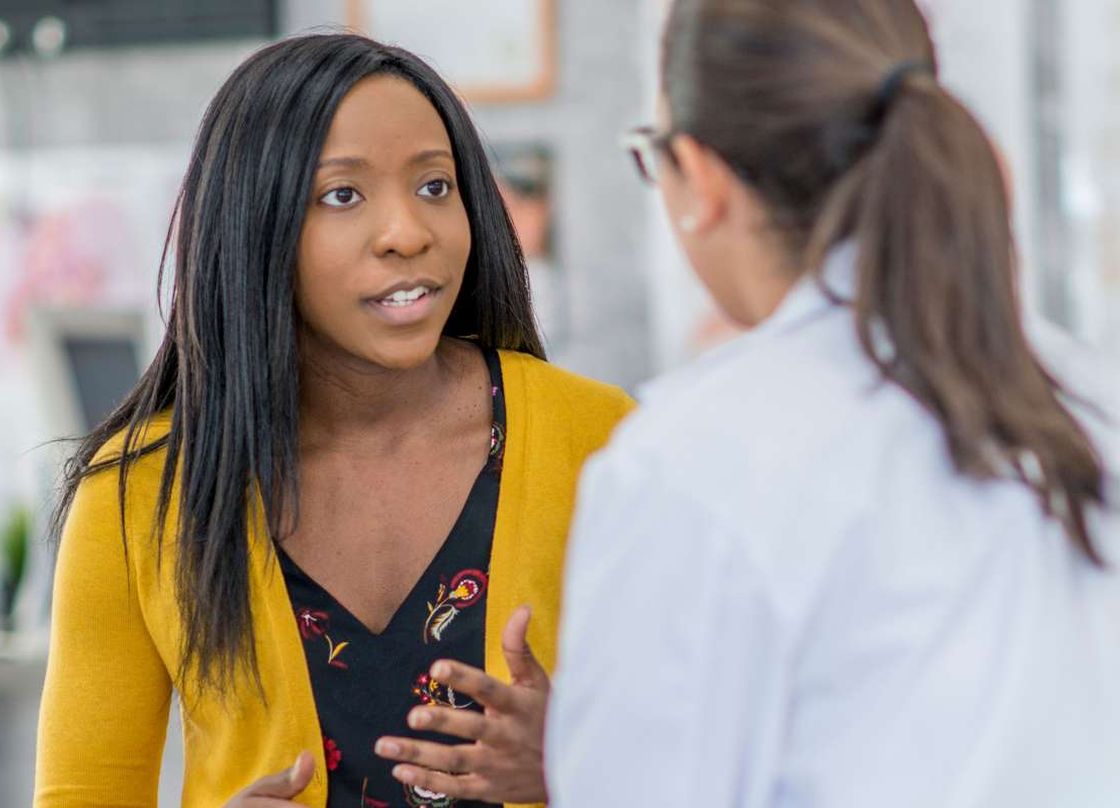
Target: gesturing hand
(277, 790)
(504, 760)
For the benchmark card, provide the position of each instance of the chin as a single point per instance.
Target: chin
(403, 353)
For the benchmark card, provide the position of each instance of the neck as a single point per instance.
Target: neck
(759, 272)
(343, 398)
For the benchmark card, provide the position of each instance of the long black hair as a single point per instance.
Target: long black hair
(227, 367)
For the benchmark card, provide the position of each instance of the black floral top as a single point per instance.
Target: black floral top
(365, 684)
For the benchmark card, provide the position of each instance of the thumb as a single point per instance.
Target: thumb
(287, 783)
(523, 666)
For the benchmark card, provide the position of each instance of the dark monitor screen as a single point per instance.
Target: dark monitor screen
(104, 370)
(108, 23)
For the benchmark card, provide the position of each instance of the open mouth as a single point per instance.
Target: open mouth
(403, 298)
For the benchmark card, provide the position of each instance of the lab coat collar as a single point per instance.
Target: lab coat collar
(811, 296)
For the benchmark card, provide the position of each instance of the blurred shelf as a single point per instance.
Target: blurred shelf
(21, 686)
(21, 677)
(23, 649)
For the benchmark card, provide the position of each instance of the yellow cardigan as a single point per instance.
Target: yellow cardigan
(116, 629)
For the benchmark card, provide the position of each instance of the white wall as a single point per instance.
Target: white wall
(1092, 166)
(985, 52)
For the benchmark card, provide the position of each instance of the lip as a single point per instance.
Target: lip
(408, 314)
(404, 286)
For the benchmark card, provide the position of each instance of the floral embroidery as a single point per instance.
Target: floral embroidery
(432, 691)
(370, 802)
(497, 441)
(332, 654)
(497, 450)
(332, 753)
(465, 590)
(384, 673)
(423, 798)
(314, 624)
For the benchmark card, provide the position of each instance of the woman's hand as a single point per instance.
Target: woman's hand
(277, 790)
(504, 761)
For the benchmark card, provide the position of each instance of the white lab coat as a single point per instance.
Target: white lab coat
(780, 594)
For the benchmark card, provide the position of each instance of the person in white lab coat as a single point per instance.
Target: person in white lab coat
(865, 554)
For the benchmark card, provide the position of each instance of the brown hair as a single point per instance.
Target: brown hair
(832, 113)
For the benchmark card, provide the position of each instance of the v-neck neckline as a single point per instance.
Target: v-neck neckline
(289, 565)
(491, 466)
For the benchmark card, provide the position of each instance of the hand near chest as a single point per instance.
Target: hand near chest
(502, 759)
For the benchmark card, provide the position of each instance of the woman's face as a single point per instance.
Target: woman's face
(386, 237)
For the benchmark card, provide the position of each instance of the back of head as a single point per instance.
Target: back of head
(831, 112)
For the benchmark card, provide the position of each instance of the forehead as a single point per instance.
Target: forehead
(383, 114)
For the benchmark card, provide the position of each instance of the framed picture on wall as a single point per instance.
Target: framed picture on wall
(491, 51)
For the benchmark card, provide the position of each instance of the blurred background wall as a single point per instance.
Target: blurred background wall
(99, 101)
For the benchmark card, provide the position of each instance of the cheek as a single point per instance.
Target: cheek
(323, 244)
(457, 237)
(319, 271)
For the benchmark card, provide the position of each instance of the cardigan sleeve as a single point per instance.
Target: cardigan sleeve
(103, 718)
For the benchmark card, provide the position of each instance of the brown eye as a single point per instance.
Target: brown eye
(436, 189)
(341, 198)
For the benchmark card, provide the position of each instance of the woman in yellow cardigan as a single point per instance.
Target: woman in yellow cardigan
(286, 521)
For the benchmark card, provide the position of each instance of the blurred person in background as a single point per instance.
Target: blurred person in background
(318, 514)
(864, 554)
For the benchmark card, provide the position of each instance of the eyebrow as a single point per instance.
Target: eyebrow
(346, 162)
(361, 162)
(429, 155)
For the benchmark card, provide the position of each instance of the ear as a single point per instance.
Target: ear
(709, 180)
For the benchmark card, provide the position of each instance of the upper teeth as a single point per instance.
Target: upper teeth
(405, 296)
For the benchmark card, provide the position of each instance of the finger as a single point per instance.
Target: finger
(466, 724)
(286, 784)
(523, 666)
(479, 685)
(441, 757)
(462, 787)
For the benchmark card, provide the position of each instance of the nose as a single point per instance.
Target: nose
(401, 230)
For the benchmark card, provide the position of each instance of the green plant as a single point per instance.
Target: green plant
(15, 536)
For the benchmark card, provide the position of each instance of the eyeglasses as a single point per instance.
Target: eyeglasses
(643, 144)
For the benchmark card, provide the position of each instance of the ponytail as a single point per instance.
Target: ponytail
(927, 207)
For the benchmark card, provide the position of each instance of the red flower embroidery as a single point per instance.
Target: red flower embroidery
(312, 624)
(465, 590)
(432, 691)
(332, 753)
(467, 587)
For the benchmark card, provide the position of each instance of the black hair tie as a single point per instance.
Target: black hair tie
(845, 144)
(894, 80)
